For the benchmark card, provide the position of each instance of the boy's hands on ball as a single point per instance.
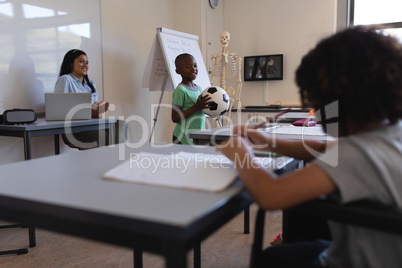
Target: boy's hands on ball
(203, 102)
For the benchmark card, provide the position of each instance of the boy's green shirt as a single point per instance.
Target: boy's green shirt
(184, 98)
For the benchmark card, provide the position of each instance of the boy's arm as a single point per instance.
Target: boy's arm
(178, 114)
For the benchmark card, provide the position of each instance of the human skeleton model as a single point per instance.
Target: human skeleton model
(219, 63)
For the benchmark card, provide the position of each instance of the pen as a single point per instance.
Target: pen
(273, 118)
(265, 154)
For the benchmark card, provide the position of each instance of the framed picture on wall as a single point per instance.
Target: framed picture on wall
(266, 67)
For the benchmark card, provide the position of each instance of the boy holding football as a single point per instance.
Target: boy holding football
(187, 101)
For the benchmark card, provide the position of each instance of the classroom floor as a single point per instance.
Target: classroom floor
(228, 247)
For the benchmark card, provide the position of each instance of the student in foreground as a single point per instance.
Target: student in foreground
(356, 77)
(187, 101)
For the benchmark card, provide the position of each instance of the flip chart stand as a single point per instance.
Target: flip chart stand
(157, 109)
(160, 68)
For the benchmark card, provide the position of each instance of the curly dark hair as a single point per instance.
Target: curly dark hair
(66, 65)
(361, 68)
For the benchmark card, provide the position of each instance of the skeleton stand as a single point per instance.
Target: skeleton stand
(219, 63)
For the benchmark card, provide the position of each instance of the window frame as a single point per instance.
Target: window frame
(379, 26)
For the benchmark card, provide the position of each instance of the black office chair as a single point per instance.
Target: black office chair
(362, 213)
(84, 138)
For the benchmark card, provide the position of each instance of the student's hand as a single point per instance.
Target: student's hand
(235, 148)
(203, 102)
(99, 108)
(254, 136)
(241, 130)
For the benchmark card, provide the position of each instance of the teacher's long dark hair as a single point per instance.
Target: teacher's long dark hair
(67, 65)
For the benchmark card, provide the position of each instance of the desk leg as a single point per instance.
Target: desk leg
(176, 256)
(197, 255)
(27, 146)
(27, 151)
(112, 134)
(247, 220)
(107, 138)
(137, 258)
(56, 144)
(32, 237)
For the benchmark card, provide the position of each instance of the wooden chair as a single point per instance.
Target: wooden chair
(362, 213)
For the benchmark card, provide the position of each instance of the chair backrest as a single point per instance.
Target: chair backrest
(362, 213)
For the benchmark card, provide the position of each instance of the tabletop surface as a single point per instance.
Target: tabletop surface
(74, 180)
(284, 130)
(41, 124)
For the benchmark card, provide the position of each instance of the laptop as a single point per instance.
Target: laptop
(67, 106)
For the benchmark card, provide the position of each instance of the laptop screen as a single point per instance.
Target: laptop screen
(67, 106)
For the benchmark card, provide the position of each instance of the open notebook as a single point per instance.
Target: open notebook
(196, 171)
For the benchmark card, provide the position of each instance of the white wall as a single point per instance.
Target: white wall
(126, 50)
(288, 27)
(257, 27)
(128, 30)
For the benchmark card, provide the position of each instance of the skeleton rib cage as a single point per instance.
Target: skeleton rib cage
(222, 61)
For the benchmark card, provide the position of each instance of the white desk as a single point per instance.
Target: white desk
(44, 128)
(66, 194)
(214, 136)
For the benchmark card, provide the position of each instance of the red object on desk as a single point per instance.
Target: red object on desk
(273, 118)
(304, 123)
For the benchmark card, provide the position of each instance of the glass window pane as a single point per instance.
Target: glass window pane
(48, 82)
(396, 32)
(375, 11)
(6, 52)
(46, 63)
(69, 38)
(82, 29)
(31, 12)
(6, 10)
(40, 39)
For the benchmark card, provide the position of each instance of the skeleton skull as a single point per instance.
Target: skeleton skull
(224, 38)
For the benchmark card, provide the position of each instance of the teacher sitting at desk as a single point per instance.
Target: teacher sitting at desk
(73, 78)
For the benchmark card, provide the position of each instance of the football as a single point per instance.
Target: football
(219, 101)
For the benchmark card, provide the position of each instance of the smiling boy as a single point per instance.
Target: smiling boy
(187, 101)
